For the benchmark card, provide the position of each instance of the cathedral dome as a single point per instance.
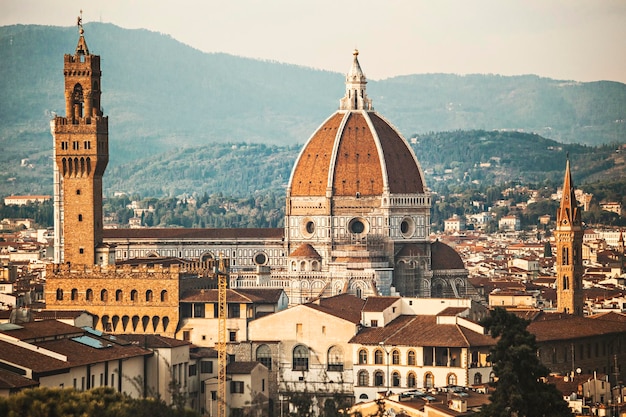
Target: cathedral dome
(444, 257)
(356, 152)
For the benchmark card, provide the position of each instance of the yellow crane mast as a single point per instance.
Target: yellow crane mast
(222, 277)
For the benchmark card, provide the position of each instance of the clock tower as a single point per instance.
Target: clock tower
(81, 151)
(569, 240)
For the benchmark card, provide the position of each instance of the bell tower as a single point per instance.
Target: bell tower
(81, 151)
(569, 240)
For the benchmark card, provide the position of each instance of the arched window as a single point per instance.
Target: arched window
(565, 256)
(133, 295)
(59, 294)
(395, 379)
(429, 380)
(363, 357)
(264, 355)
(565, 282)
(411, 380)
(452, 379)
(119, 295)
(335, 359)
(478, 378)
(363, 378)
(163, 296)
(149, 295)
(410, 358)
(89, 295)
(395, 357)
(379, 379)
(74, 294)
(378, 357)
(104, 295)
(300, 358)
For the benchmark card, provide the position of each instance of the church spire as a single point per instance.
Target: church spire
(569, 213)
(356, 96)
(81, 48)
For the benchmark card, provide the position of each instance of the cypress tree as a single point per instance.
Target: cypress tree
(519, 387)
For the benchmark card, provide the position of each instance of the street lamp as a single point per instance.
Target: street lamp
(384, 348)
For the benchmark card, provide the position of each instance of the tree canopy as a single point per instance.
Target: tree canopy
(99, 402)
(520, 389)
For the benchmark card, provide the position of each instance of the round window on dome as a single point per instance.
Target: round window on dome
(358, 226)
(407, 227)
(307, 227)
(260, 258)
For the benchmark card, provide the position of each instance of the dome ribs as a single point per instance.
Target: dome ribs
(402, 172)
(311, 172)
(357, 168)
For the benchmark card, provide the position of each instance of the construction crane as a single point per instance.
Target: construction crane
(221, 273)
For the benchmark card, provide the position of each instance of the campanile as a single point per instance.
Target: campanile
(81, 150)
(569, 240)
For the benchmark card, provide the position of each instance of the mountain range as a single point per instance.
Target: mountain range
(164, 98)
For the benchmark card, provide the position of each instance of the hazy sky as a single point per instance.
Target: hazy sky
(579, 40)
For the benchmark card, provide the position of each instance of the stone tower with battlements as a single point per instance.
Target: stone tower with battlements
(81, 151)
(569, 240)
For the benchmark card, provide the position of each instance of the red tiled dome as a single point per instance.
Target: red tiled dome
(444, 257)
(356, 152)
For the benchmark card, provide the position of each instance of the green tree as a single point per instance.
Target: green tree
(99, 402)
(519, 387)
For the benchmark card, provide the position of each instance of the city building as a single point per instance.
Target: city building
(454, 224)
(357, 221)
(510, 223)
(54, 354)
(22, 200)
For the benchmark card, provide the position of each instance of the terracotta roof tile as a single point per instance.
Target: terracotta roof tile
(305, 251)
(310, 175)
(421, 331)
(80, 354)
(344, 306)
(241, 368)
(402, 171)
(29, 359)
(379, 303)
(444, 257)
(43, 329)
(11, 381)
(573, 327)
(357, 166)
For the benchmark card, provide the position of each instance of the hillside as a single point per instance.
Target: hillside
(164, 98)
(448, 158)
